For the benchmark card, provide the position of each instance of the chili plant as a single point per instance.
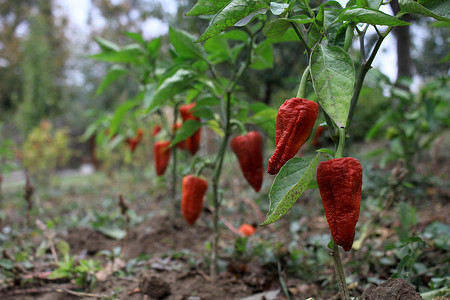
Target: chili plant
(326, 33)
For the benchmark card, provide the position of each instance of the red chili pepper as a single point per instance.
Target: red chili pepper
(193, 191)
(248, 149)
(156, 130)
(181, 145)
(340, 182)
(192, 142)
(295, 120)
(161, 156)
(319, 131)
(246, 230)
(134, 141)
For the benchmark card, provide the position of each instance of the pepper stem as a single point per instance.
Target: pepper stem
(339, 269)
(301, 93)
(340, 148)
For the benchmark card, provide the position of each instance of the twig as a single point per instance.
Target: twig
(82, 294)
(30, 291)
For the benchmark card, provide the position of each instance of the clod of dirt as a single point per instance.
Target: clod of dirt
(153, 285)
(393, 289)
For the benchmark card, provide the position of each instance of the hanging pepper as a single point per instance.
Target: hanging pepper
(156, 130)
(193, 190)
(192, 142)
(295, 120)
(134, 141)
(248, 149)
(339, 182)
(161, 156)
(181, 145)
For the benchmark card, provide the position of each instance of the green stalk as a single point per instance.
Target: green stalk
(173, 212)
(339, 269)
(340, 148)
(220, 156)
(301, 93)
(366, 66)
(217, 172)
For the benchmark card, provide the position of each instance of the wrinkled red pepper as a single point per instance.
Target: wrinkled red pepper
(340, 182)
(248, 149)
(161, 156)
(192, 142)
(193, 190)
(295, 120)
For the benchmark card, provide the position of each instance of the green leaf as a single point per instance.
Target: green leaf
(136, 37)
(266, 120)
(154, 47)
(107, 46)
(236, 12)
(375, 4)
(129, 54)
(113, 74)
(263, 56)
(120, 113)
(438, 9)
(114, 233)
(290, 183)
(215, 126)
(206, 7)
(184, 44)
(275, 28)
(204, 113)
(300, 19)
(171, 86)
(333, 78)
(186, 130)
(218, 49)
(278, 8)
(369, 16)
(6, 264)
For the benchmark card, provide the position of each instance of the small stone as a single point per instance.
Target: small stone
(153, 285)
(393, 289)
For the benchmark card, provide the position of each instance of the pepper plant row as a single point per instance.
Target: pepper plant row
(241, 35)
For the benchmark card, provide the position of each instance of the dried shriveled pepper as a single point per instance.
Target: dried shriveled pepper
(248, 149)
(193, 190)
(192, 142)
(295, 120)
(161, 156)
(340, 181)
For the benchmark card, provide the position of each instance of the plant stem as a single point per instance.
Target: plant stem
(217, 172)
(220, 156)
(301, 38)
(301, 93)
(174, 210)
(365, 67)
(339, 269)
(340, 148)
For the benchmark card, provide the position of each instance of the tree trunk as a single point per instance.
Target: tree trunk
(402, 33)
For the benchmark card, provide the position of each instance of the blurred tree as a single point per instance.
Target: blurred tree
(32, 61)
